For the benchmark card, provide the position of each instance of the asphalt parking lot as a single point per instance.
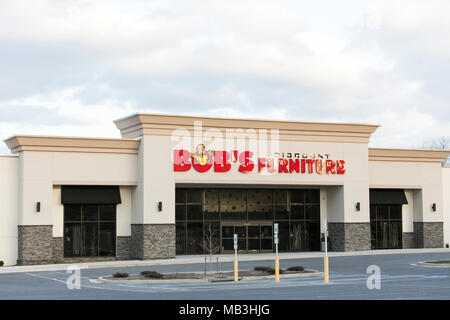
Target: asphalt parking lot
(400, 278)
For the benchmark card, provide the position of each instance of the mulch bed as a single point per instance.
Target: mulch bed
(208, 275)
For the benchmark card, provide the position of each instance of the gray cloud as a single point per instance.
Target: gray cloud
(65, 65)
(34, 115)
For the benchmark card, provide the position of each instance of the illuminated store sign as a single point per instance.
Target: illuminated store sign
(221, 161)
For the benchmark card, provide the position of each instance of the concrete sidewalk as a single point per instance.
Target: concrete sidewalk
(201, 259)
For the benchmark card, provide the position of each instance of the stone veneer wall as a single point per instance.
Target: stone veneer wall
(429, 234)
(137, 239)
(349, 236)
(123, 248)
(38, 246)
(408, 240)
(35, 245)
(152, 241)
(58, 249)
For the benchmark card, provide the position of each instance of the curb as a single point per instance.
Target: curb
(200, 260)
(230, 279)
(429, 264)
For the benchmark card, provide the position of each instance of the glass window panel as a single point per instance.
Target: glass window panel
(266, 231)
(233, 197)
(211, 197)
(194, 212)
(259, 212)
(180, 212)
(194, 196)
(260, 196)
(107, 239)
(297, 212)
(312, 236)
(89, 213)
(373, 244)
(227, 244)
(180, 196)
(373, 234)
(212, 212)
(108, 212)
(281, 212)
(90, 239)
(242, 244)
(296, 236)
(395, 235)
(227, 231)
(253, 245)
(233, 212)
(240, 231)
(382, 212)
(395, 212)
(72, 239)
(72, 212)
(312, 196)
(230, 208)
(280, 196)
(297, 196)
(283, 235)
(181, 237)
(386, 229)
(194, 237)
(266, 244)
(312, 212)
(373, 212)
(231, 204)
(383, 235)
(253, 231)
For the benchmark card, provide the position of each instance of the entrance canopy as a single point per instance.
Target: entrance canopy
(90, 195)
(387, 196)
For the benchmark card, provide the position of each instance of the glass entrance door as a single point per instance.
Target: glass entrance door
(252, 237)
(386, 226)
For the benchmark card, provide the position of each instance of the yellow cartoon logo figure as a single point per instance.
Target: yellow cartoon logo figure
(202, 156)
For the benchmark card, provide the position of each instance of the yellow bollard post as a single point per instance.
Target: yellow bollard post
(236, 279)
(277, 261)
(277, 270)
(325, 269)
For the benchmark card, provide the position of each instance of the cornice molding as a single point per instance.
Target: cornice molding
(407, 155)
(72, 144)
(139, 124)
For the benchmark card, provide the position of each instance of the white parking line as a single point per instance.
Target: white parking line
(407, 285)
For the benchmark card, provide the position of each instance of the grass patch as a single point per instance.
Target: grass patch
(296, 268)
(151, 274)
(440, 262)
(268, 270)
(265, 269)
(120, 275)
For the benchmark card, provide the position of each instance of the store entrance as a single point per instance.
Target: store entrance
(216, 214)
(252, 237)
(386, 226)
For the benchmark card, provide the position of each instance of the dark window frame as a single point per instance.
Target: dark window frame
(313, 241)
(375, 221)
(83, 226)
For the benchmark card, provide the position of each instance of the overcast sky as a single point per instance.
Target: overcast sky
(72, 67)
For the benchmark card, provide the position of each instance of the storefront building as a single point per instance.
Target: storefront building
(176, 185)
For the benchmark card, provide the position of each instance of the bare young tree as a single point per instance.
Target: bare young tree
(210, 243)
(442, 143)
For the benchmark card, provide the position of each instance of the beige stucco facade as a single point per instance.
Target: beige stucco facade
(9, 209)
(446, 205)
(141, 164)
